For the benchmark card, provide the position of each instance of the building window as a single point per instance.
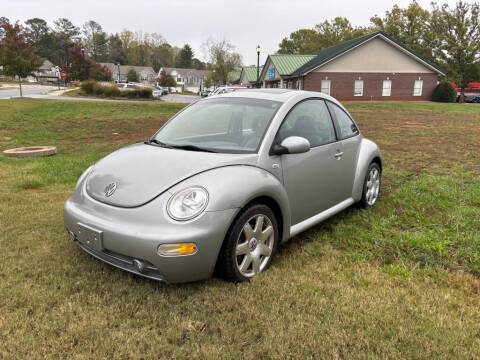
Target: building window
(387, 88)
(289, 84)
(417, 88)
(358, 88)
(179, 79)
(326, 87)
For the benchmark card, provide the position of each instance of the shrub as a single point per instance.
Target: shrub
(145, 93)
(87, 87)
(444, 92)
(132, 75)
(111, 91)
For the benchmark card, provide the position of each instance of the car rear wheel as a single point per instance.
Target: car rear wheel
(371, 186)
(250, 244)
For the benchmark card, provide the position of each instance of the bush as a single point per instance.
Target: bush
(139, 93)
(444, 92)
(87, 87)
(94, 88)
(111, 91)
(145, 93)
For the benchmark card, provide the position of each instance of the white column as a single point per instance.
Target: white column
(281, 83)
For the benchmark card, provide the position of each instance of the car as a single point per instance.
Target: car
(158, 91)
(126, 86)
(204, 93)
(222, 184)
(226, 89)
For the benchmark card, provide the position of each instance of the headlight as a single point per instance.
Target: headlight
(83, 176)
(187, 203)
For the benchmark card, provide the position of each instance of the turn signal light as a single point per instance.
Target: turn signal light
(177, 249)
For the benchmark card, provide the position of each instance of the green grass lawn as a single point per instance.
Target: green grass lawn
(400, 280)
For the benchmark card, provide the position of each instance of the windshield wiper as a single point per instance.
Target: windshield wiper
(157, 142)
(192, 148)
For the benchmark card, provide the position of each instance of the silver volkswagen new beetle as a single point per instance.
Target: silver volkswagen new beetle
(222, 184)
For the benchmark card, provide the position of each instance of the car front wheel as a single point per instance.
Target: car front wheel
(250, 244)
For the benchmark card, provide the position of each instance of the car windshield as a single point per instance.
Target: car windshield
(226, 125)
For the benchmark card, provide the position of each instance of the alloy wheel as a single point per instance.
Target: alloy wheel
(373, 186)
(254, 245)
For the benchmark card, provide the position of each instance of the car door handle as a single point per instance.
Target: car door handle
(338, 155)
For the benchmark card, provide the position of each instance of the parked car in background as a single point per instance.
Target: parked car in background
(226, 89)
(204, 93)
(159, 91)
(222, 184)
(126, 86)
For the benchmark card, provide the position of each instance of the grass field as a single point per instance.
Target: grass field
(400, 280)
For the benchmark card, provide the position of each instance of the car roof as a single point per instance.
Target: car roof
(281, 95)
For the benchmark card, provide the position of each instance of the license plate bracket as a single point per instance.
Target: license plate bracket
(90, 237)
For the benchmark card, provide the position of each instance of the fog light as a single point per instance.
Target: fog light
(71, 235)
(177, 249)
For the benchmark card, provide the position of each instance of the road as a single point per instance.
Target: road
(41, 92)
(6, 92)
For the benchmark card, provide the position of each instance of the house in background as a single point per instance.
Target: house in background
(146, 74)
(248, 76)
(187, 79)
(47, 73)
(371, 67)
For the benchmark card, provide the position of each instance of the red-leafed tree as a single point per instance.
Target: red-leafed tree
(166, 79)
(79, 67)
(18, 55)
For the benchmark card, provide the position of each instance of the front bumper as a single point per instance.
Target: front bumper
(130, 234)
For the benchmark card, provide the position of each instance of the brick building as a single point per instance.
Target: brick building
(371, 67)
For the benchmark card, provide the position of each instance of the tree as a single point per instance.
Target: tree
(84, 68)
(458, 31)
(411, 26)
(326, 34)
(67, 31)
(338, 30)
(198, 64)
(184, 58)
(132, 75)
(43, 37)
(303, 41)
(166, 79)
(222, 58)
(116, 52)
(17, 52)
(95, 40)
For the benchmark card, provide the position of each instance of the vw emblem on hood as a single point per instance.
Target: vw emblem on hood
(110, 189)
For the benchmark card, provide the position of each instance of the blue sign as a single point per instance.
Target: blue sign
(271, 73)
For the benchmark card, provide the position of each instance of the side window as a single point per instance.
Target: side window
(346, 125)
(309, 119)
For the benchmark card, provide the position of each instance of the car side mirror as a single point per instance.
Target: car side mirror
(292, 145)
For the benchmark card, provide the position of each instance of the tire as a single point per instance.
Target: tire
(254, 250)
(369, 199)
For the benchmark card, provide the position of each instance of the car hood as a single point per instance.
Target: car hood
(138, 173)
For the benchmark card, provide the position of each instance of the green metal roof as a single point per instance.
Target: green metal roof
(251, 72)
(287, 64)
(234, 76)
(327, 54)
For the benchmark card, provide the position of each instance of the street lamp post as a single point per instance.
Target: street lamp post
(118, 69)
(258, 66)
(213, 79)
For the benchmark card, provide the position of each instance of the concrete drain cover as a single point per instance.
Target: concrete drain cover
(31, 151)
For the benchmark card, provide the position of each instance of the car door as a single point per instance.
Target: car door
(350, 138)
(311, 178)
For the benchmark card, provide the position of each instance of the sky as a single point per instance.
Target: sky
(244, 23)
